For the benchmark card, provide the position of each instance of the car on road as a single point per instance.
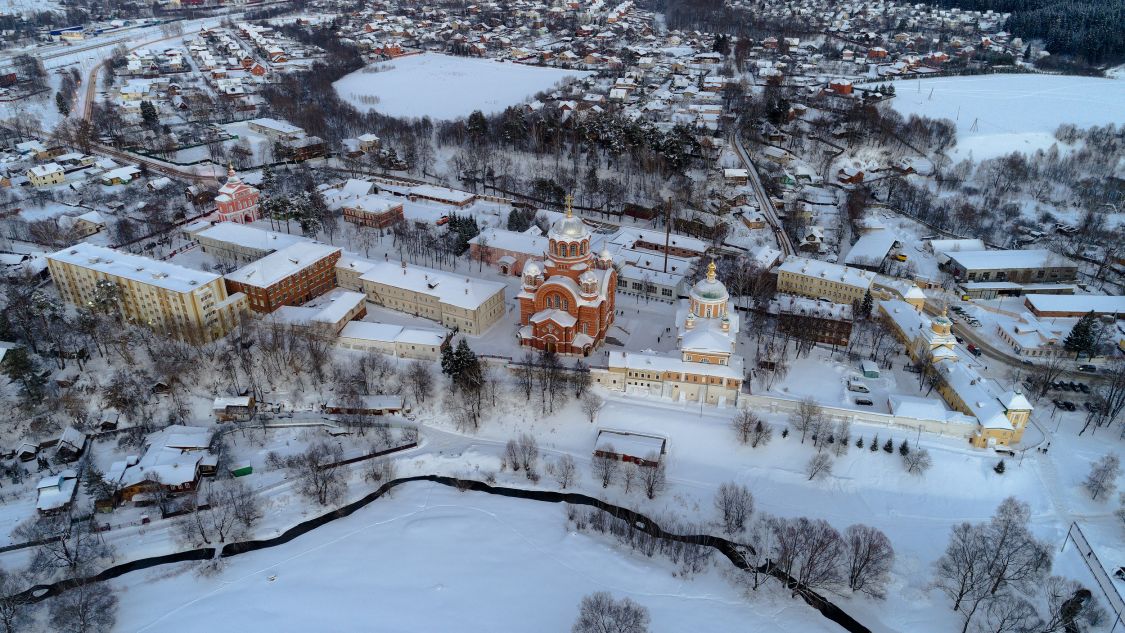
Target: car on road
(1087, 368)
(974, 350)
(1027, 361)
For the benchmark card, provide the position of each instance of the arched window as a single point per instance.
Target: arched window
(573, 250)
(566, 304)
(582, 250)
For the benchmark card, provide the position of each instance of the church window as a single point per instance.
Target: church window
(573, 250)
(565, 304)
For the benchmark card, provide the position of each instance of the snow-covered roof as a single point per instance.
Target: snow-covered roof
(1098, 304)
(330, 308)
(386, 332)
(631, 444)
(135, 267)
(1006, 260)
(528, 242)
(825, 270)
(871, 249)
(648, 361)
(248, 236)
(56, 491)
(222, 402)
(276, 266)
(442, 193)
(172, 457)
(451, 289)
(370, 402)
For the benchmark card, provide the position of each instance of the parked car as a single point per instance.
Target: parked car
(1070, 406)
(864, 402)
(1089, 368)
(1083, 387)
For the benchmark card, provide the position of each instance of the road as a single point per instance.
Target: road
(764, 204)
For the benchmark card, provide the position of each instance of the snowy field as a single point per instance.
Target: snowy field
(28, 7)
(445, 87)
(416, 561)
(999, 114)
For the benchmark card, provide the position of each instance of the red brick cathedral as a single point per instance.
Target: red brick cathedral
(567, 301)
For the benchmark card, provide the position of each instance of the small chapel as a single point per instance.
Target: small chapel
(567, 299)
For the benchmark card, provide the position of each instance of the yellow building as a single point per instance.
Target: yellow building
(823, 280)
(46, 175)
(1001, 415)
(465, 303)
(181, 302)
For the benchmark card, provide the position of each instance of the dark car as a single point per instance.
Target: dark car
(1083, 387)
(864, 402)
(1070, 406)
(1089, 368)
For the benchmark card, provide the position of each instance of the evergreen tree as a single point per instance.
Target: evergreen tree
(62, 104)
(904, 449)
(859, 442)
(476, 126)
(785, 432)
(999, 468)
(889, 447)
(21, 367)
(149, 114)
(875, 443)
(269, 179)
(1081, 338)
(448, 361)
(866, 305)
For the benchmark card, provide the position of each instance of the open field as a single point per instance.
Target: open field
(445, 87)
(1000, 114)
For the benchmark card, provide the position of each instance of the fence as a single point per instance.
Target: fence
(1105, 583)
(774, 404)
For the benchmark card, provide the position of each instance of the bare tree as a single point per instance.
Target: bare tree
(962, 571)
(843, 435)
(743, 424)
(869, 560)
(316, 479)
(230, 511)
(15, 610)
(1103, 476)
(917, 461)
(69, 547)
(819, 467)
(87, 608)
(565, 471)
(512, 454)
(653, 478)
(809, 550)
(735, 504)
(1070, 607)
(629, 476)
(600, 613)
(605, 465)
(420, 379)
(805, 417)
(528, 454)
(380, 470)
(591, 403)
(1010, 613)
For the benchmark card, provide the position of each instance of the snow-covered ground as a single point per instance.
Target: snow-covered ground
(433, 559)
(999, 114)
(444, 86)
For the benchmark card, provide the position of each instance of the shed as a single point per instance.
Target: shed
(242, 470)
(630, 447)
(870, 369)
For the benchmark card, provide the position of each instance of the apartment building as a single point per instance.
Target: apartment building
(292, 276)
(187, 303)
(823, 280)
(468, 304)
